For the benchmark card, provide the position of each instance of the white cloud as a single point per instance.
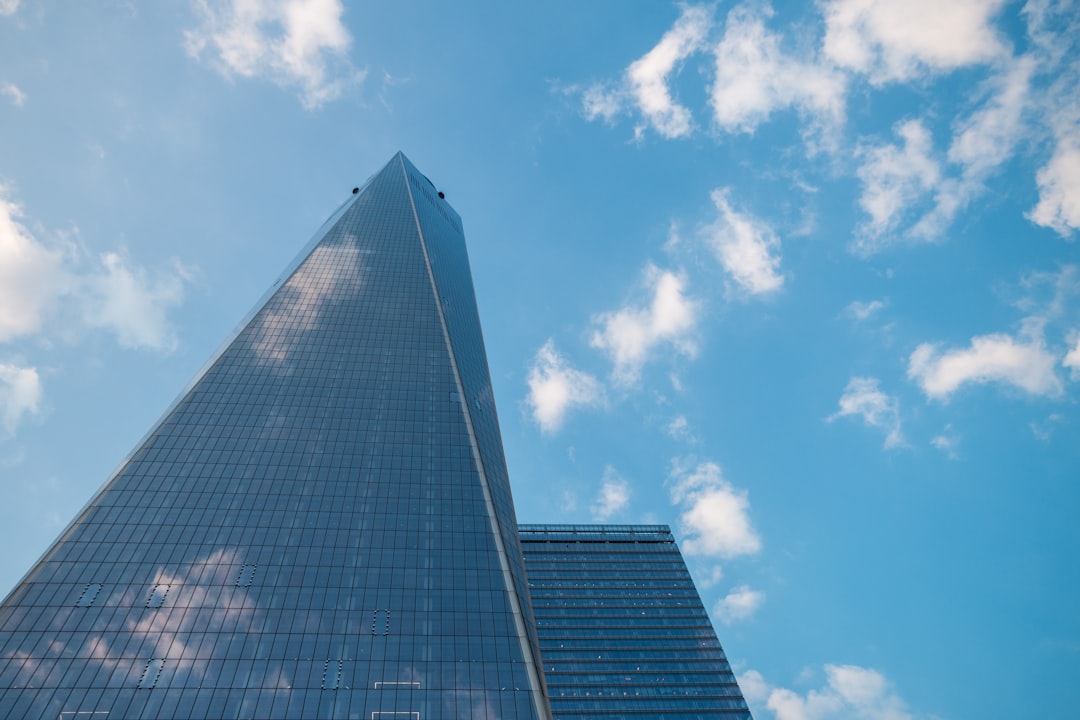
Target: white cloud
(20, 394)
(293, 43)
(8, 7)
(894, 177)
(1024, 363)
(754, 77)
(32, 277)
(555, 387)
(1059, 187)
(714, 517)
(614, 496)
(739, 604)
(647, 77)
(863, 310)
(38, 282)
(863, 398)
(746, 246)
(851, 693)
(630, 334)
(1072, 358)
(891, 40)
(679, 429)
(121, 297)
(599, 101)
(754, 687)
(14, 93)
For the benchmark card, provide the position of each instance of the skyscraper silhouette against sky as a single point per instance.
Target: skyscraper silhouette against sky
(320, 527)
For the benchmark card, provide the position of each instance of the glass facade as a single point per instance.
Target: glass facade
(320, 527)
(622, 630)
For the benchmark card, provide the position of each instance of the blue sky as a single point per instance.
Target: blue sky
(800, 280)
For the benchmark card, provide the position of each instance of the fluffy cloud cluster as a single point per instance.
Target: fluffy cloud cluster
(109, 292)
(40, 283)
(293, 43)
(715, 515)
(895, 40)
(8, 7)
(863, 398)
(850, 693)
(555, 388)
(882, 42)
(629, 335)
(755, 77)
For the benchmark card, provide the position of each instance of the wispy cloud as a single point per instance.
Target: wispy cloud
(864, 398)
(896, 40)
(629, 335)
(863, 310)
(299, 44)
(124, 298)
(739, 604)
(13, 93)
(714, 515)
(679, 429)
(981, 143)
(754, 77)
(645, 84)
(555, 388)
(894, 178)
(1023, 362)
(746, 247)
(850, 693)
(648, 76)
(20, 395)
(614, 496)
(947, 442)
(8, 7)
(1044, 431)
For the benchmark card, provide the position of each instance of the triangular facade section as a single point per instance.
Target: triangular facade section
(321, 527)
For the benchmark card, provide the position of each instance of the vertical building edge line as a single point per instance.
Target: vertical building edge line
(539, 696)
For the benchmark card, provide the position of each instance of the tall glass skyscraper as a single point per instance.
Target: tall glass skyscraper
(320, 526)
(622, 629)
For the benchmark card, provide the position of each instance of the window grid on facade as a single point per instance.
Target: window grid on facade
(622, 630)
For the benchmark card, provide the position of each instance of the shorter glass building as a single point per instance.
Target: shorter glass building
(623, 633)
